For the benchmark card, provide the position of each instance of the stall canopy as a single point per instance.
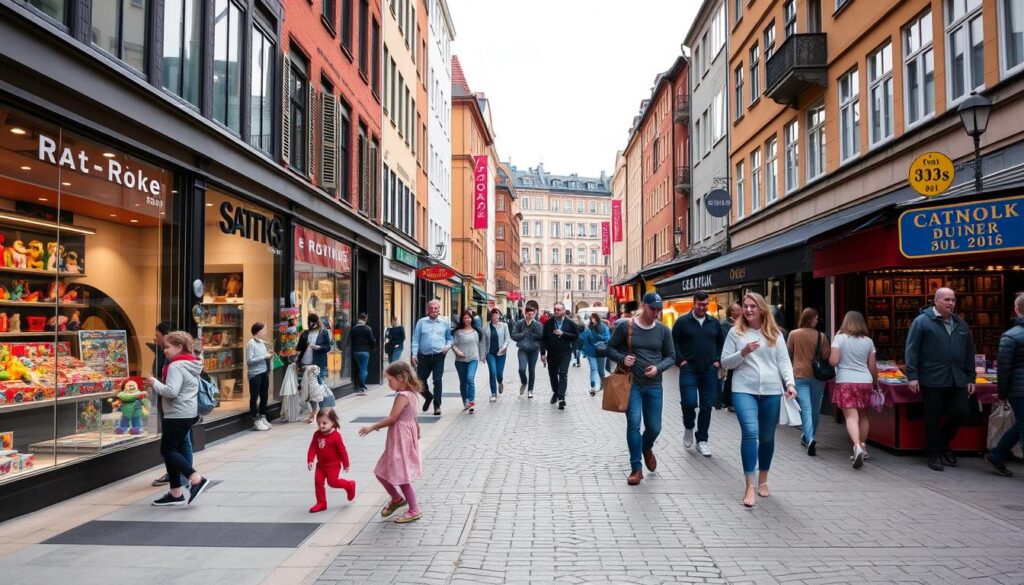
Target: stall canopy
(480, 295)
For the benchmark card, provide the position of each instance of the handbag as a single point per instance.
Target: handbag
(789, 413)
(823, 370)
(617, 387)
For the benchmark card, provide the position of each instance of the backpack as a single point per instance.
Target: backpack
(208, 395)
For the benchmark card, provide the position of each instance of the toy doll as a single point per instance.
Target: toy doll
(18, 255)
(75, 322)
(35, 255)
(54, 252)
(132, 403)
(71, 262)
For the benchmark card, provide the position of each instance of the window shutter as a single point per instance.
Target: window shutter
(329, 142)
(311, 131)
(286, 121)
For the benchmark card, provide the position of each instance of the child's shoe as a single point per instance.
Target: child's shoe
(408, 517)
(392, 507)
(350, 490)
(319, 507)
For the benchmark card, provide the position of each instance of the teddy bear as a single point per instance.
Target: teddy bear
(35, 255)
(132, 402)
(16, 256)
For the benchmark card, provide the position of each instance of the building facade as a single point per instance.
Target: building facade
(210, 176)
(565, 260)
(507, 221)
(441, 33)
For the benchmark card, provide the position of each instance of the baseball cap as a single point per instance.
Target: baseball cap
(653, 300)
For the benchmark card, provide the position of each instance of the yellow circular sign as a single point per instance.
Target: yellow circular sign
(931, 174)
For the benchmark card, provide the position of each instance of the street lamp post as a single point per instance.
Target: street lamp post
(677, 236)
(974, 113)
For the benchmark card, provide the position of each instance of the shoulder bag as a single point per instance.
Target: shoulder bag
(616, 387)
(823, 370)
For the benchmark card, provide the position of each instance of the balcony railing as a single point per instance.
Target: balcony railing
(682, 112)
(682, 179)
(801, 61)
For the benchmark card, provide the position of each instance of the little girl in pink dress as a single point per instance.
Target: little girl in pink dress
(400, 464)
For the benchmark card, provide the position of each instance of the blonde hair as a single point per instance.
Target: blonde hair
(402, 372)
(769, 329)
(854, 325)
(181, 339)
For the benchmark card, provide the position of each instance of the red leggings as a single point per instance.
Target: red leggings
(329, 473)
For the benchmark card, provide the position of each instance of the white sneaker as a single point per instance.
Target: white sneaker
(260, 425)
(266, 423)
(704, 449)
(494, 398)
(530, 394)
(688, 438)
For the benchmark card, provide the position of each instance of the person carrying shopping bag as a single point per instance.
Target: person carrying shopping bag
(312, 349)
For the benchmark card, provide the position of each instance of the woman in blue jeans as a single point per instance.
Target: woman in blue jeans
(804, 344)
(762, 372)
(596, 332)
(494, 344)
(466, 347)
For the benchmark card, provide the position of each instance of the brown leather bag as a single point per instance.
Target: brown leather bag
(616, 387)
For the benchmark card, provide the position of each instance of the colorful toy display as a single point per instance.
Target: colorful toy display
(35, 255)
(30, 372)
(16, 256)
(134, 406)
(72, 263)
(54, 254)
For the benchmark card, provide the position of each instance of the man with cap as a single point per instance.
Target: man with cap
(644, 345)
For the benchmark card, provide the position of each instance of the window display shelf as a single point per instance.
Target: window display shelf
(219, 347)
(216, 326)
(236, 303)
(49, 401)
(89, 442)
(38, 334)
(44, 304)
(35, 272)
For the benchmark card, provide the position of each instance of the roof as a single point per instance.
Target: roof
(538, 178)
(460, 87)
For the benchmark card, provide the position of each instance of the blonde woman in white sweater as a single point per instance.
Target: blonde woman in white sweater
(762, 373)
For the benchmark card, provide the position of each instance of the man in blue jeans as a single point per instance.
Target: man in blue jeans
(363, 341)
(698, 340)
(431, 340)
(645, 346)
(1011, 387)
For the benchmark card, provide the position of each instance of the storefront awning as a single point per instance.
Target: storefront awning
(480, 295)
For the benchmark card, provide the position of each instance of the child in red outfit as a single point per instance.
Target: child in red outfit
(329, 451)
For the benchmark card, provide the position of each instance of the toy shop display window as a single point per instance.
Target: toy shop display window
(243, 263)
(80, 292)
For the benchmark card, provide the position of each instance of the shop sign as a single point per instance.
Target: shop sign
(110, 168)
(406, 257)
(616, 221)
(480, 192)
(435, 272)
(718, 203)
(606, 238)
(931, 174)
(312, 247)
(251, 225)
(967, 228)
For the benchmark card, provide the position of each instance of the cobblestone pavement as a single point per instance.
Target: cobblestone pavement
(521, 492)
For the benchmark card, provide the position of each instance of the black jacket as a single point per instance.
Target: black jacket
(1011, 361)
(698, 345)
(361, 338)
(549, 342)
(396, 336)
(936, 358)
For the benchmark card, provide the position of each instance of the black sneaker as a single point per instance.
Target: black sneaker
(935, 464)
(812, 448)
(1001, 468)
(949, 459)
(561, 405)
(195, 490)
(162, 480)
(169, 500)
(427, 397)
(554, 398)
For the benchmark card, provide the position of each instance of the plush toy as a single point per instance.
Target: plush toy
(3, 323)
(5, 258)
(26, 295)
(15, 323)
(71, 262)
(35, 255)
(133, 405)
(75, 322)
(4, 295)
(57, 323)
(54, 253)
(54, 291)
(70, 295)
(17, 291)
(233, 286)
(18, 254)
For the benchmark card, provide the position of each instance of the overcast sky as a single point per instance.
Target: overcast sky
(565, 77)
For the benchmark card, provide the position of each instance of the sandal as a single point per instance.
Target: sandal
(764, 494)
(408, 517)
(392, 507)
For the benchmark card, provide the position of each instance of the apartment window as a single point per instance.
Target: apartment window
(1011, 39)
(814, 16)
(771, 170)
(580, 206)
(526, 203)
(227, 60)
(556, 255)
(593, 231)
(849, 116)
(55, 9)
(346, 25)
(698, 141)
(555, 282)
(581, 280)
(755, 180)
(816, 141)
(261, 90)
(538, 229)
(538, 256)
(568, 229)
(593, 282)
(500, 203)
(607, 208)
(182, 57)
(344, 152)
(769, 41)
(705, 138)
(567, 206)
(119, 28)
(740, 192)
(791, 134)
(364, 53)
(525, 229)
(568, 279)
(755, 90)
(375, 70)
(568, 255)
(499, 260)
(738, 97)
(553, 204)
(593, 207)
(696, 63)
(581, 255)
(499, 233)
(297, 126)
(789, 18)
(841, 3)
(524, 255)
(880, 94)
(964, 40)
(593, 256)
(737, 10)
(581, 230)
(327, 11)
(919, 63)
(554, 228)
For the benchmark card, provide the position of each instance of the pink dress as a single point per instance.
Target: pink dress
(400, 462)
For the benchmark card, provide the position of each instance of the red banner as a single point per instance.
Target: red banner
(617, 221)
(606, 238)
(315, 248)
(480, 192)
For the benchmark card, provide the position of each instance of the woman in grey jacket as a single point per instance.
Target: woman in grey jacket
(527, 334)
(257, 360)
(494, 341)
(179, 392)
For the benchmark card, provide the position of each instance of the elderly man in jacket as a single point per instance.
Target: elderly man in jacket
(940, 364)
(1011, 387)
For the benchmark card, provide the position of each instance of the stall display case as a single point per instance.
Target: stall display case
(222, 333)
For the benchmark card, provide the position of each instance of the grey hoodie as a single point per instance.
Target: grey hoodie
(178, 396)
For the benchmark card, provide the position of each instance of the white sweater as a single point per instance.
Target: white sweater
(763, 372)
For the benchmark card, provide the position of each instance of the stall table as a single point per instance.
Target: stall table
(900, 425)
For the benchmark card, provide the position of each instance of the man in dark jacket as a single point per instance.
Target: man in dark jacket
(698, 340)
(527, 334)
(556, 347)
(940, 364)
(1011, 387)
(363, 341)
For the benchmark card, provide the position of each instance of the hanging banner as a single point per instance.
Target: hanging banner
(616, 221)
(480, 192)
(312, 247)
(606, 238)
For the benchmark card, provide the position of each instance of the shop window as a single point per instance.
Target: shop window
(119, 28)
(81, 226)
(55, 9)
(182, 58)
(261, 96)
(323, 285)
